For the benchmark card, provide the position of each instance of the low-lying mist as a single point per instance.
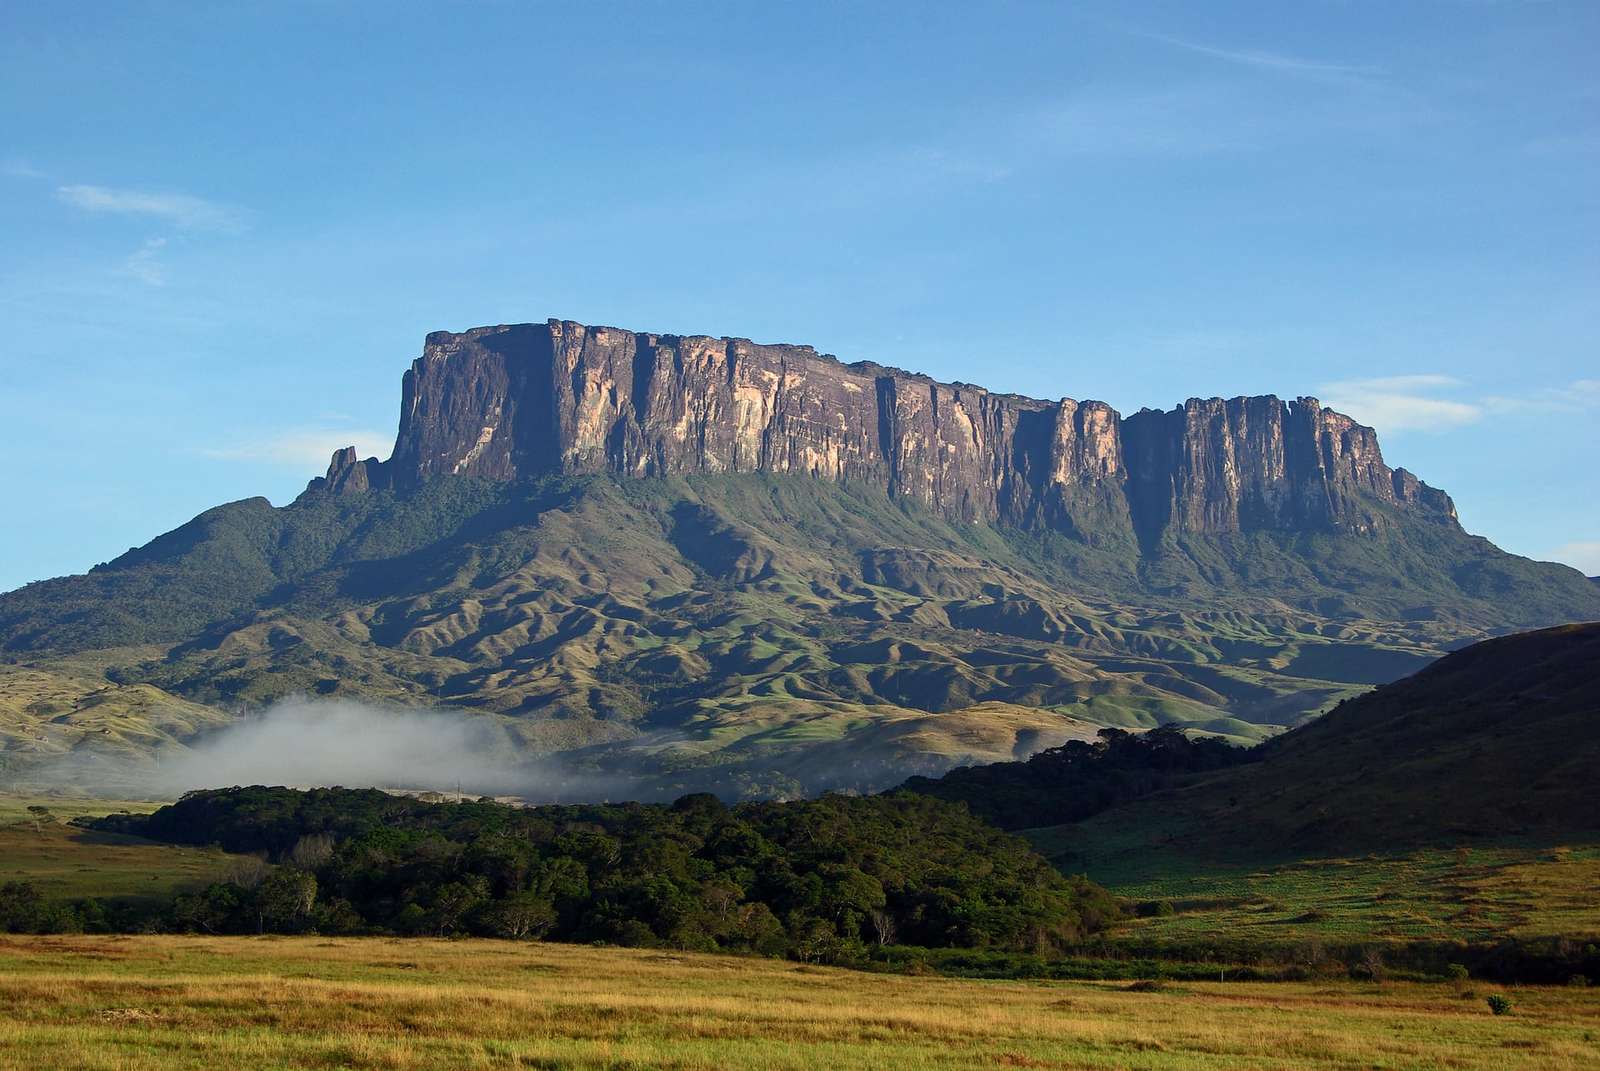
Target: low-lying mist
(308, 743)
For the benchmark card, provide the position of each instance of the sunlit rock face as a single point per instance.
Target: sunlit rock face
(560, 397)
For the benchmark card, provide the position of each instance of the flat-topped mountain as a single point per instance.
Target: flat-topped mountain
(562, 398)
(696, 563)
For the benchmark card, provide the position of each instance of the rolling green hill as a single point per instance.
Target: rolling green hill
(755, 635)
(1497, 743)
(1502, 738)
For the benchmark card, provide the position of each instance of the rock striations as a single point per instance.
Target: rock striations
(559, 397)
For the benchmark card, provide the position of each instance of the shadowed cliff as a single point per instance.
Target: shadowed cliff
(562, 398)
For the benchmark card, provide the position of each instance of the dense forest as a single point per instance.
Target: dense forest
(1078, 779)
(822, 879)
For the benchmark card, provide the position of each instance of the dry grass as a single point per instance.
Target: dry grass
(182, 1002)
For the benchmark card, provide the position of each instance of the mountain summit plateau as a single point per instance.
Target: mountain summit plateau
(562, 398)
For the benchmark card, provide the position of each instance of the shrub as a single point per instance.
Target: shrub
(22, 909)
(1372, 965)
(1155, 909)
(1498, 1003)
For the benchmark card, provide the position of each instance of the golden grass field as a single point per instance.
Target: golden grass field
(211, 1003)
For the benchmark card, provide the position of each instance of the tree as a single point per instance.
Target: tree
(21, 907)
(312, 851)
(849, 894)
(815, 941)
(247, 871)
(720, 898)
(884, 926)
(215, 910)
(453, 902)
(40, 816)
(284, 898)
(525, 916)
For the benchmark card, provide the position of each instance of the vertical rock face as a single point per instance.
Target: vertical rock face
(559, 397)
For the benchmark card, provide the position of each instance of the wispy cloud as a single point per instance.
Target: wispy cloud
(179, 209)
(1401, 403)
(1192, 120)
(1263, 60)
(20, 169)
(1582, 554)
(1576, 397)
(1413, 402)
(304, 447)
(144, 263)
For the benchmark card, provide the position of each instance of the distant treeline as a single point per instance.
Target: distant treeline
(823, 879)
(1079, 779)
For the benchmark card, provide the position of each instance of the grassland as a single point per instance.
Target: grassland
(1477, 892)
(183, 1002)
(64, 862)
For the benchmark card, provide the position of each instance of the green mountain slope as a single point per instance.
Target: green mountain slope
(1500, 740)
(754, 634)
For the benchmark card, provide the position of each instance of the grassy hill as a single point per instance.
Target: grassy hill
(751, 635)
(1457, 805)
(1500, 738)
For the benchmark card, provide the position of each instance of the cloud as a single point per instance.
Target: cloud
(1583, 555)
(182, 210)
(1401, 403)
(1263, 60)
(1189, 121)
(304, 742)
(1578, 396)
(304, 447)
(20, 169)
(144, 263)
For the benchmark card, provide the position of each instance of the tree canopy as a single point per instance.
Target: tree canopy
(1079, 779)
(817, 879)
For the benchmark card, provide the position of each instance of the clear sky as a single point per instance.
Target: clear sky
(225, 228)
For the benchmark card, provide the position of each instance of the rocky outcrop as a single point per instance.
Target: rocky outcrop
(559, 397)
(348, 474)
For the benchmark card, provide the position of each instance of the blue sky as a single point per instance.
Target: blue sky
(224, 229)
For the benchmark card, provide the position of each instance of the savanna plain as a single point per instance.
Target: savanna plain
(170, 1001)
(270, 1002)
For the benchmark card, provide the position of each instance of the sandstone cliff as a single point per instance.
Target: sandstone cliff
(559, 397)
